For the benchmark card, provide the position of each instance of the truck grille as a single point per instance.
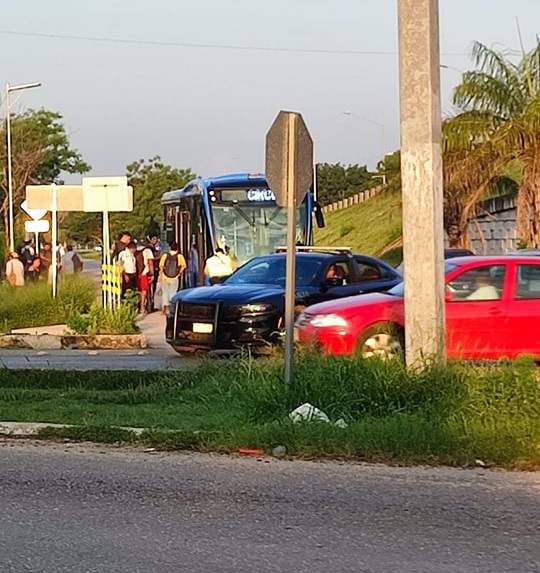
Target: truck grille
(196, 311)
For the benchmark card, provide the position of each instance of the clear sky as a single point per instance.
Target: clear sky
(209, 109)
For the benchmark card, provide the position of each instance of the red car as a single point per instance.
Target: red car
(492, 311)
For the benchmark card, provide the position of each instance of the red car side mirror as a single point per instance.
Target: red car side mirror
(448, 296)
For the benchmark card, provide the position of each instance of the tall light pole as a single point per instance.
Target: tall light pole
(381, 126)
(10, 89)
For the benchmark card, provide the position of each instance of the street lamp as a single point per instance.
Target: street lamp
(10, 89)
(381, 126)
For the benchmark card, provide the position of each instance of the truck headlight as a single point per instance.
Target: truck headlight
(258, 308)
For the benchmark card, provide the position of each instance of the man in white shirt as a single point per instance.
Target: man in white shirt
(484, 290)
(128, 264)
(145, 274)
(218, 267)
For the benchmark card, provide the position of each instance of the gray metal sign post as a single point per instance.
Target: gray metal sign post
(289, 172)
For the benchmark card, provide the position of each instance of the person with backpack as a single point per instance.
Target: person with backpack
(171, 267)
(71, 262)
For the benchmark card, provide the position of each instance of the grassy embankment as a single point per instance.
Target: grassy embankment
(454, 415)
(33, 305)
(367, 228)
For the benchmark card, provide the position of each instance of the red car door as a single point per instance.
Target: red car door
(477, 312)
(524, 310)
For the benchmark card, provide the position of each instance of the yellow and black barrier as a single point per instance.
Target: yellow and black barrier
(111, 284)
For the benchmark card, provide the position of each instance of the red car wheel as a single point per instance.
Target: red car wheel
(383, 340)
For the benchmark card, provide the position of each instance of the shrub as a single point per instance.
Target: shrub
(99, 320)
(345, 230)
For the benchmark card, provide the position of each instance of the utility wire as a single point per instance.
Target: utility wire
(244, 48)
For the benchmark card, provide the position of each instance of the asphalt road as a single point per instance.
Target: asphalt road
(153, 359)
(81, 508)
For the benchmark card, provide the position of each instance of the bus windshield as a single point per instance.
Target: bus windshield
(254, 229)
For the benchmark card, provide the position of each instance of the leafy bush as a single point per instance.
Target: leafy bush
(99, 320)
(345, 230)
(33, 305)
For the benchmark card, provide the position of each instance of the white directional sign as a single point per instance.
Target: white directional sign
(37, 226)
(68, 197)
(102, 194)
(34, 214)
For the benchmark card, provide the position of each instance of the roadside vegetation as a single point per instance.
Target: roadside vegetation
(369, 227)
(33, 305)
(98, 320)
(455, 415)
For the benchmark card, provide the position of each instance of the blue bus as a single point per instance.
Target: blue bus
(237, 212)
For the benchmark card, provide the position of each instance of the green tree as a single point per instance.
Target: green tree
(337, 181)
(499, 108)
(150, 179)
(41, 153)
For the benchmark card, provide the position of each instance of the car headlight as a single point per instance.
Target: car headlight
(323, 320)
(260, 308)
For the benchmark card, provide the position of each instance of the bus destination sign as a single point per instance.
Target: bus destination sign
(255, 195)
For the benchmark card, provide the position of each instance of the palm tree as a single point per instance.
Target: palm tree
(499, 122)
(469, 169)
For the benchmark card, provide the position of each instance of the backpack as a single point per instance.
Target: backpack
(77, 263)
(170, 269)
(139, 262)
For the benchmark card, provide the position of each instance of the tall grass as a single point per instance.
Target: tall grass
(453, 415)
(33, 304)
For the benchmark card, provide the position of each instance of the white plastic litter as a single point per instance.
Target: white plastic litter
(308, 413)
(341, 423)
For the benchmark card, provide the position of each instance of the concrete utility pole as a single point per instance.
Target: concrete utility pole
(421, 174)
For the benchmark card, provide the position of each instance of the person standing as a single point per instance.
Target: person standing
(171, 267)
(120, 245)
(15, 270)
(33, 270)
(70, 261)
(218, 267)
(27, 254)
(145, 274)
(45, 256)
(153, 243)
(193, 267)
(128, 264)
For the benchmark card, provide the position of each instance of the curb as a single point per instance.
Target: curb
(34, 429)
(73, 342)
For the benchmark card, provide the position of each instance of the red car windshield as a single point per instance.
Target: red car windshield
(398, 290)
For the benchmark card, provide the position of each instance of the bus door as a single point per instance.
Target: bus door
(183, 236)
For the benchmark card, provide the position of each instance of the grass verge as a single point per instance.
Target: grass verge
(367, 227)
(33, 305)
(453, 415)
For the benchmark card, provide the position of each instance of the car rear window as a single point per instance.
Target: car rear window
(528, 282)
